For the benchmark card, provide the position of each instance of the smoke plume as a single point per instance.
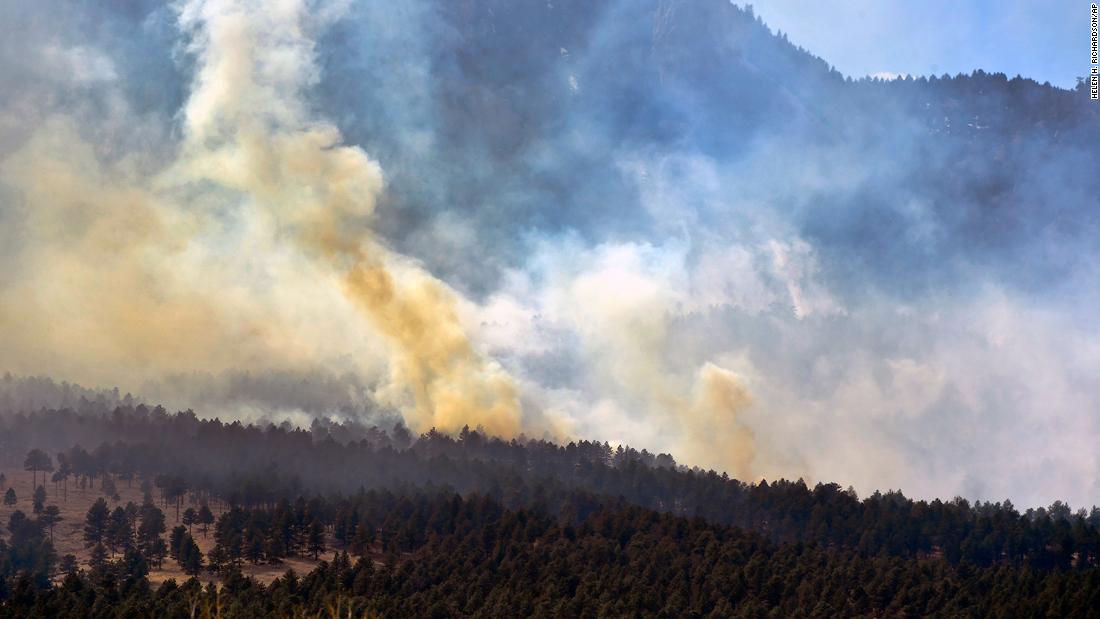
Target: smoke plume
(653, 223)
(140, 275)
(248, 130)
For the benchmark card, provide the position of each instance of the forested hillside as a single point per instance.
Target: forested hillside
(253, 465)
(451, 557)
(460, 526)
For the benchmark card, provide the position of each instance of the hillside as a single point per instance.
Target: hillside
(533, 510)
(536, 308)
(548, 100)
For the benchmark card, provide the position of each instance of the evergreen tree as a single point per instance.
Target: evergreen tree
(50, 517)
(69, 564)
(149, 540)
(64, 470)
(146, 490)
(97, 561)
(190, 557)
(315, 543)
(175, 539)
(119, 534)
(189, 518)
(37, 460)
(39, 499)
(253, 545)
(56, 479)
(133, 566)
(31, 555)
(9, 497)
(96, 522)
(205, 518)
(107, 486)
(217, 560)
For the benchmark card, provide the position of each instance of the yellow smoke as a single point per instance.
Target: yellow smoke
(252, 249)
(622, 308)
(91, 296)
(716, 436)
(451, 384)
(248, 130)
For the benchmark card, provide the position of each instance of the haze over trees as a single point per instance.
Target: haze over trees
(584, 128)
(37, 460)
(473, 524)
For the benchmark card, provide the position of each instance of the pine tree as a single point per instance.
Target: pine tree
(315, 542)
(10, 498)
(98, 559)
(119, 531)
(39, 499)
(189, 518)
(205, 517)
(64, 470)
(149, 539)
(95, 523)
(69, 564)
(56, 479)
(134, 566)
(146, 490)
(50, 517)
(190, 557)
(217, 559)
(37, 460)
(175, 539)
(253, 545)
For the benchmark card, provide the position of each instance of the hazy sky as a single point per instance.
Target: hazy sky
(1047, 40)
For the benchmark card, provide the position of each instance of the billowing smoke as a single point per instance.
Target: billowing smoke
(617, 303)
(249, 248)
(248, 130)
(641, 221)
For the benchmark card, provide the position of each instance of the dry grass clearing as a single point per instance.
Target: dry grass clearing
(68, 534)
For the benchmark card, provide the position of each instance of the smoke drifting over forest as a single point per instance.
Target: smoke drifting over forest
(642, 221)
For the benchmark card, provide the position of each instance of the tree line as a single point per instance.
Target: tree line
(441, 555)
(182, 455)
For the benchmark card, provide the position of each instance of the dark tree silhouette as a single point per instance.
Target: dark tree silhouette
(149, 540)
(205, 518)
(175, 539)
(119, 534)
(96, 523)
(50, 517)
(69, 565)
(64, 470)
(315, 543)
(189, 518)
(37, 460)
(39, 499)
(97, 559)
(189, 556)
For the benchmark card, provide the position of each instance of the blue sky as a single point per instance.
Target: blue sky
(1045, 40)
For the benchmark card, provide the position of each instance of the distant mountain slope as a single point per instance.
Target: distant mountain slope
(256, 466)
(527, 111)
